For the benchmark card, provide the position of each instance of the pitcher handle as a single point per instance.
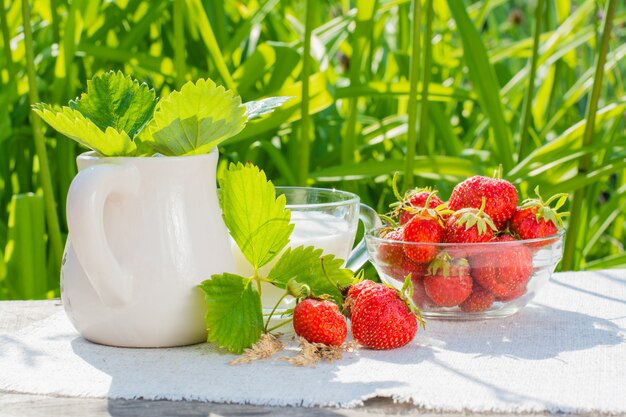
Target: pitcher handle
(86, 199)
(370, 220)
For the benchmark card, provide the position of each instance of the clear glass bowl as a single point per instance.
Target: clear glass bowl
(510, 272)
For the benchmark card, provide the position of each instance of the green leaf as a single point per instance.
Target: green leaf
(74, 125)
(3, 266)
(201, 22)
(258, 108)
(567, 141)
(483, 77)
(611, 261)
(234, 317)
(307, 265)
(439, 167)
(256, 219)
(195, 119)
(115, 100)
(436, 92)
(25, 253)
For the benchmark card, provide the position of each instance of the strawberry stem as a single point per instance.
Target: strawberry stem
(441, 261)
(482, 207)
(408, 285)
(567, 213)
(406, 294)
(388, 220)
(555, 196)
(394, 185)
(430, 196)
(360, 276)
(271, 329)
(280, 300)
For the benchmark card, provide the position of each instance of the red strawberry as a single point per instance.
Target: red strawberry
(353, 294)
(419, 297)
(505, 237)
(515, 294)
(469, 225)
(536, 219)
(504, 268)
(479, 300)
(407, 266)
(416, 199)
(416, 269)
(426, 226)
(319, 321)
(404, 208)
(381, 319)
(391, 253)
(449, 282)
(500, 194)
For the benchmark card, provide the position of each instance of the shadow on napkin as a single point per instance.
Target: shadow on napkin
(535, 333)
(599, 295)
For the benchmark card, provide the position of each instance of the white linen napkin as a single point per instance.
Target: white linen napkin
(565, 352)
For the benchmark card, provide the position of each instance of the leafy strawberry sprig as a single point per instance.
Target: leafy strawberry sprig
(107, 118)
(544, 209)
(259, 223)
(118, 116)
(469, 218)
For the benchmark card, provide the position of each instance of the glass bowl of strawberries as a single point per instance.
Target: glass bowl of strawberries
(477, 256)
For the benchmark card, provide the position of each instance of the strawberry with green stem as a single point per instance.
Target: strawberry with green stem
(536, 218)
(320, 321)
(426, 226)
(406, 207)
(504, 269)
(384, 318)
(500, 194)
(448, 282)
(317, 319)
(391, 253)
(470, 225)
(353, 293)
(392, 259)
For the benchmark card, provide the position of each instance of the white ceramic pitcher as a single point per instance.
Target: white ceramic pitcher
(143, 233)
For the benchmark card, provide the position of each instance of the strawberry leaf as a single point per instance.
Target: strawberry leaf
(115, 100)
(195, 119)
(167, 141)
(482, 227)
(256, 219)
(234, 317)
(323, 274)
(74, 125)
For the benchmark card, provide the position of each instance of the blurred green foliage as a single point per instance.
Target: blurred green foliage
(460, 95)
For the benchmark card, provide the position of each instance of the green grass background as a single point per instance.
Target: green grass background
(437, 90)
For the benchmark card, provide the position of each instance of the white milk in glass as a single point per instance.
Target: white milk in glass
(311, 228)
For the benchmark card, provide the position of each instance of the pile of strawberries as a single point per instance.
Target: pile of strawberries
(465, 272)
(381, 317)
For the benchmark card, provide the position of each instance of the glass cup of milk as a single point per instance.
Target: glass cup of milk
(324, 218)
